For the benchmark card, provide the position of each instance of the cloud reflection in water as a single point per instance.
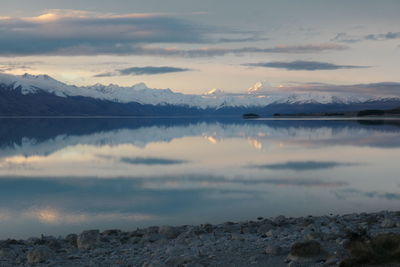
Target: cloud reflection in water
(303, 165)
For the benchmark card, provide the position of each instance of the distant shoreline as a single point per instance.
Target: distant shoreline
(331, 118)
(367, 113)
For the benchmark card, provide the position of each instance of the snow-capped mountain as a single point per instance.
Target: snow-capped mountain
(42, 91)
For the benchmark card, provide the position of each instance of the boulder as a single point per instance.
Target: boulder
(88, 239)
(280, 220)
(178, 261)
(72, 239)
(39, 254)
(169, 232)
(388, 223)
(307, 251)
(264, 228)
(7, 253)
(274, 250)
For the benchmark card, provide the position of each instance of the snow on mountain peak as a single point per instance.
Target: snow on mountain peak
(214, 92)
(261, 87)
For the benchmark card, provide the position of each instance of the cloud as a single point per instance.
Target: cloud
(10, 66)
(82, 32)
(242, 39)
(302, 165)
(198, 181)
(151, 161)
(149, 70)
(304, 65)
(383, 36)
(222, 51)
(346, 38)
(71, 33)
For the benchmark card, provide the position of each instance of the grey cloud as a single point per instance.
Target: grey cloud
(127, 35)
(221, 51)
(302, 165)
(9, 66)
(151, 161)
(304, 65)
(209, 180)
(148, 70)
(305, 182)
(289, 182)
(243, 39)
(145, 50)
(106, 74)
(4, 68)
(384, 36)
(95, 34)
(346, 38)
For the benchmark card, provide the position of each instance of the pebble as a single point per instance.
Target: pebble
(273, 250)
(281, 241)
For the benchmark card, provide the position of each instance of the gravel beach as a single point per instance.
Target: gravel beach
(279, 241)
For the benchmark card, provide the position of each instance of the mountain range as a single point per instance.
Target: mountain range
(41, 95)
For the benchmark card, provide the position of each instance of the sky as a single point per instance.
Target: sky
(195, 46)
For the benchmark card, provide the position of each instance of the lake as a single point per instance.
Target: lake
(64, 175)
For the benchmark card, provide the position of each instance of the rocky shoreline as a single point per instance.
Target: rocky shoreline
(345, 240)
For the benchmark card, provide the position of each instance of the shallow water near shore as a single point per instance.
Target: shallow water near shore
(59, 176)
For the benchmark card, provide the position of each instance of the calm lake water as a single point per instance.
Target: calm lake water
(59, 176)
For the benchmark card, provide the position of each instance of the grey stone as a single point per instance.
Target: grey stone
(39, 254)
(273, 250)
(88, 239)
(308, 251)
(388, 223)
(314, 235)
(112, 232)
(72, 239)
(178, 261)
(152, 229)
(150, 237)
(265, 228)
(7, 253)
(270, 233)
(306, 248)
(331, 261)
(280, 220)
(156, 264)
(235, 236)
(169, 232)
(194, 264)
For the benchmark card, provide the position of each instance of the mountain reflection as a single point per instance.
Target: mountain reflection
(44, 136)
